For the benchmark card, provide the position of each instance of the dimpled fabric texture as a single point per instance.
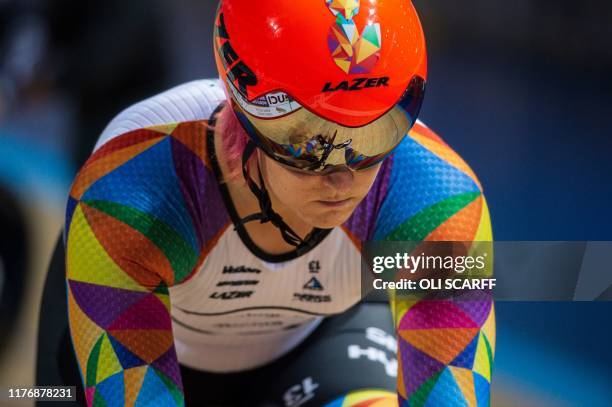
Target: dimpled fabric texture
(446, 347)
(143, 214)
(136, 224)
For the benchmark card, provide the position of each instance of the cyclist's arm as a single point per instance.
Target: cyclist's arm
(130, 235)
(445, 348)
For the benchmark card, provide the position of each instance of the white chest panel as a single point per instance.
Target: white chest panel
(236, 299)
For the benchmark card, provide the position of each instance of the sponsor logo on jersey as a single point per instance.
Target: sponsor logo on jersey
(381, 337)
(356, 84)
(300, 393)
(237, 282)
(313, 284)
(248, 324)
(311, 297)
(240, 269)
(374, 355)
(314, 266)
(230, 295)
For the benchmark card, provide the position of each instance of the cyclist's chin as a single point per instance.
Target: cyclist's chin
(326, 215)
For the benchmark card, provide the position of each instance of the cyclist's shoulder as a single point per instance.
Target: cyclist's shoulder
(194, 100)
(427, 183)
(424, 155)
(423, 173)
(152, 162)
(149, 184)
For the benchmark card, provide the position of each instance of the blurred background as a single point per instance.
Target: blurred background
(522, 90)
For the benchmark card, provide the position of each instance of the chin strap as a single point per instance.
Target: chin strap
(267, 214)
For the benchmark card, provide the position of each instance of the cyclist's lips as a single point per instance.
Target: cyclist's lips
(335, 203)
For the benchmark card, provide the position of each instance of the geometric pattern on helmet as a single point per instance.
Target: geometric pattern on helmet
(352, 52)
(346, 8)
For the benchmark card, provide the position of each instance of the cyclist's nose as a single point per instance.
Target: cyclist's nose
(341, 180)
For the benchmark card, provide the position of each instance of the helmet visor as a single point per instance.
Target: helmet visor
(294, 136)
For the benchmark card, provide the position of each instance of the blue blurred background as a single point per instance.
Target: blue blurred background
(522, 90)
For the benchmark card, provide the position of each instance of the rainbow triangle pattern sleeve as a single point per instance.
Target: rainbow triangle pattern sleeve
(132, 230)
(445, 347)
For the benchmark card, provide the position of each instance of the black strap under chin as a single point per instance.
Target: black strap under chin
(267, 214)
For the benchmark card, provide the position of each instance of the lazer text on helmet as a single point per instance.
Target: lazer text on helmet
(357, 84)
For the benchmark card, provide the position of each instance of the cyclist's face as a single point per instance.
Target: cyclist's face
(322, 201)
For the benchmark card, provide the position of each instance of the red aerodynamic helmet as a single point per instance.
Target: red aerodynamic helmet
(318, 83)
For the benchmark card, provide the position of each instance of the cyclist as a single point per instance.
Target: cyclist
(213, 237)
